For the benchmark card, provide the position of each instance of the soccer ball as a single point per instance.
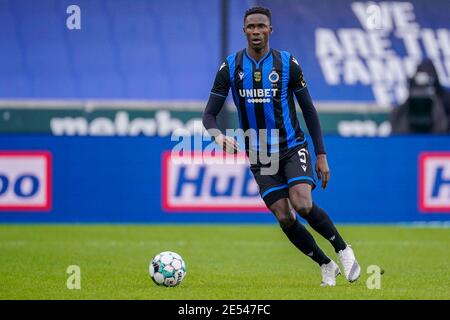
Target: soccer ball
(167, 269)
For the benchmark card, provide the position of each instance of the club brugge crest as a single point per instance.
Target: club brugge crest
(273, 76)
(257, 76)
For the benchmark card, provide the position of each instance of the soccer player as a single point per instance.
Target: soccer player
(263, 82)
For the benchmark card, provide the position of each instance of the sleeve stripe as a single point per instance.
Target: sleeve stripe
(220, 95)
(298, 90)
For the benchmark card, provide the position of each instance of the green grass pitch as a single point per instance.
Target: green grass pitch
(223, 262)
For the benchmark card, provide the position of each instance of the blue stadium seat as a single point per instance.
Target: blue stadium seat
(152, 86)
(47, 58)
(42, 26)
(199, 85)
(104, 85)
(143, 58)
(93, 58)
(5, 6)
(148, 49)
(27, 6)
(87, 6)
(175, 8)
(127, 7)
(140, 28)
(8, 27)
(190, 58)
(54, 86)
(11, 60)
(15, 86)
(183, 29)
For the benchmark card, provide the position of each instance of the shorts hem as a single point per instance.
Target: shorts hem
(273, 196)
(301, 180)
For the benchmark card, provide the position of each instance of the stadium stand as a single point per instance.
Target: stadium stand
(142, 49)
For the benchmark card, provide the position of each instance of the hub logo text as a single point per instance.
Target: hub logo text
(209, 185)
(25, 181)
(434, 182)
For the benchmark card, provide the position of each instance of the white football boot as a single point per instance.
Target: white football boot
(352, 270)
(329, 273)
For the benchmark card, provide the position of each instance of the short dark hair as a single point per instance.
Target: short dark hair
(260, 10)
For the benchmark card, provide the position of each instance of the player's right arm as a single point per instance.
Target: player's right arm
(215, 103)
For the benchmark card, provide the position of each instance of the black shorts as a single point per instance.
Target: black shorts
(295, 168)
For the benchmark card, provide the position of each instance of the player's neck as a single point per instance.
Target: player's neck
(257, 54)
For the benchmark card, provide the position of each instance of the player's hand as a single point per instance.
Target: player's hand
(227, 144)
(322, 169)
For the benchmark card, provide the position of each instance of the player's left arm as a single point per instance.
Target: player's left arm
(297, 84)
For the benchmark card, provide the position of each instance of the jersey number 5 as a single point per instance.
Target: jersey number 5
(302, 154)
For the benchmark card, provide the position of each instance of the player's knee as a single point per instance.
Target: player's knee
(284, 216)
(286, 219)
(303, 207)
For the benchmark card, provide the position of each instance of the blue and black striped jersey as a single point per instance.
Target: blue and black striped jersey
(263, 93)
